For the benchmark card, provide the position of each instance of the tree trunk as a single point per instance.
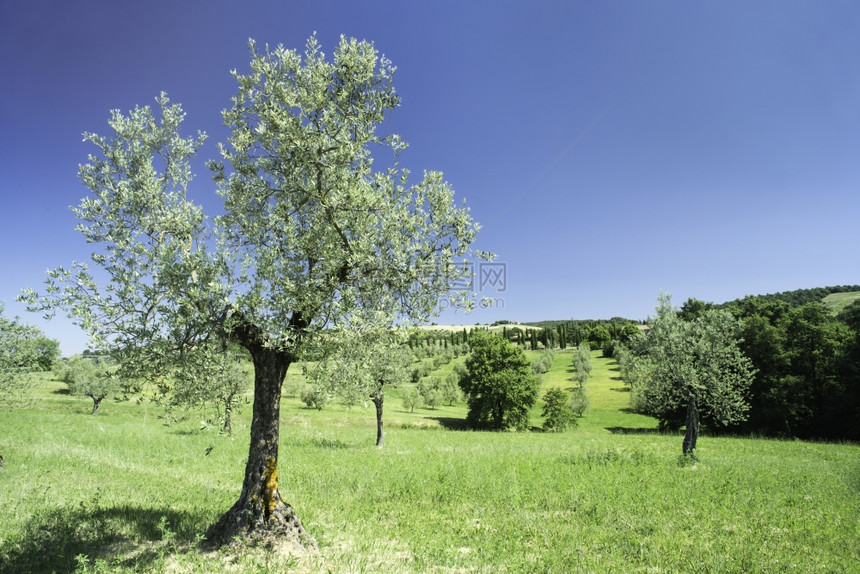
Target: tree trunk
(228, 411)
(97, 402)
(260, 515)
(692, 433)
(378, 398)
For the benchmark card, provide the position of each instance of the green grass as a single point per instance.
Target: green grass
(836, 302)
(122, 492)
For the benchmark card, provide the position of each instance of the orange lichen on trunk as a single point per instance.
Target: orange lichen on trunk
(270, 488)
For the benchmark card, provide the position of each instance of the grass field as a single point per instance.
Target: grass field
(836, 302)
(122, 492)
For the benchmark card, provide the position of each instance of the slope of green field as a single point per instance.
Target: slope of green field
(836, 302)
(122, 492)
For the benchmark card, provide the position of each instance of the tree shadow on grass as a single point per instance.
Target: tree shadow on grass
(636, 430)
(126, 536)
(451, 423)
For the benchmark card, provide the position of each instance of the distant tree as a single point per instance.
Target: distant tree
(543, 363)
(581, 363)
(849, 371)
(814, 346)
(691, 368)
(693, 309)
(320, 225)
(90, 377)
(579, 401)
(451, 389)
(47, 352)
(314, 397)
(213, 378)
(500, 387)
(19, 356)
(22, 351)
(598, 337)
(562, 337)
(558, 416)
(803, 386)
(362, 366)
(430, 390)
(411, 399)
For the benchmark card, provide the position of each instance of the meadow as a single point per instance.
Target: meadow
(122, 491)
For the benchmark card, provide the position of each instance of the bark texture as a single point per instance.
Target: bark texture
(97, 402)
(260, 515)
(378, 398)
(692, 434)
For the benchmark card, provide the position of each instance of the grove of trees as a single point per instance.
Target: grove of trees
(321, 229)
(807, 361)
(786, 365)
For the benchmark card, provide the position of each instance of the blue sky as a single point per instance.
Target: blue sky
(611, 150)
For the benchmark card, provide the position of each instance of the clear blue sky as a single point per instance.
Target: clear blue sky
(611, 150)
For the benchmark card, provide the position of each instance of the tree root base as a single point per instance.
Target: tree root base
(281, 530)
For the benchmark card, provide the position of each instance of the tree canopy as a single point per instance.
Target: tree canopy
(499, 384)
(23, 349)
(313, 236)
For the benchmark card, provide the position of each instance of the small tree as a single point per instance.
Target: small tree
(558, 416)
(363, 365)
(544, 362)
(582, 363)
(22, 351)
(431, 392)
(579, 401)
(314, 396)
(499, 384)
(205, 376)
(90, 377)
(411, 399)
(451, 389)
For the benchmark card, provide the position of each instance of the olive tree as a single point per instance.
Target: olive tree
(312, 235)
(23, 349)
(19, 355)
(581, 364)
(90, 377)
(361, 366)
(691, 368)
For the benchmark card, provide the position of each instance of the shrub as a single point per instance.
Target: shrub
(557, 413)
(314, 397)
(579, 401)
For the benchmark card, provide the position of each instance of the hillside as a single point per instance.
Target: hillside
(836, 302)
(800, 297)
